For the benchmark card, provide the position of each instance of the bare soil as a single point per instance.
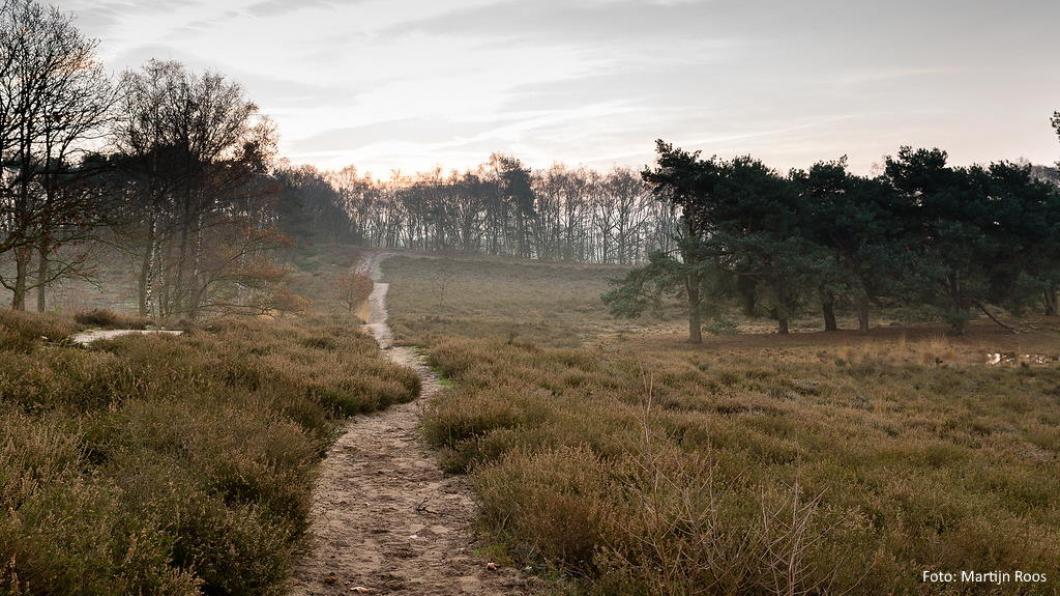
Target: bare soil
(385, 518)
(86, 337)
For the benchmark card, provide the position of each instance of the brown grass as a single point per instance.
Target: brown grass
(753, 464)
(108, 319)
(172, 465)
(557, 304)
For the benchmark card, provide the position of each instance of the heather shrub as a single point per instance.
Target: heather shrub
(171, 465)
(634, 463)
(108, 319)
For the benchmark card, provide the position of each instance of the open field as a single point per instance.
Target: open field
(554, 304)
(173, 465)
(628, 461)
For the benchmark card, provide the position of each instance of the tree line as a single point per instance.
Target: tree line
(963, 240)
(503, 208)
(177, 171)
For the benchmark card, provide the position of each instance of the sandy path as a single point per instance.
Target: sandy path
(385, 519)
(86, 337)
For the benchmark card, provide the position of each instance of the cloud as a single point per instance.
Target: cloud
(272, 8)
(97, 18)
(410, 83)
(282, 92)
(419, 130)
(577, 20)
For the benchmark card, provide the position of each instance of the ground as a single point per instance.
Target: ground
(385, 518)
(618, 456)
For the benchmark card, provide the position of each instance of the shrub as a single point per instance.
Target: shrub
(108, 319)
(171, 465)
(27, 329)
(752, 474)
(355, 289)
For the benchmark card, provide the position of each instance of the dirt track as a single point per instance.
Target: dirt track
(385, 519)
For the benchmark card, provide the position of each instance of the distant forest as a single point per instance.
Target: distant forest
(503, 208)
(922, 233)
(177, 172)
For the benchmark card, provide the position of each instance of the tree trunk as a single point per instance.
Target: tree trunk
(42, 274)
(695, 326)
(195, 297)
(1051, 306)
(147, 269)
(782, 326)
(993, 318)
(828, 308)
(959, 316)
(176, 292)
(23, 256)
(863, 314)
(958, 323)
(695, 318)
(162, 286)
(178, 297)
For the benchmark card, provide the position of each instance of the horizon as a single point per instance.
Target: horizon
(410, 86)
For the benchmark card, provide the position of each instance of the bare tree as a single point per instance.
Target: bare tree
(197, 148)
(54, 102)
(501, 208)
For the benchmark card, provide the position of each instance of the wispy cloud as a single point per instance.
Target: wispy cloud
(573, 21)
(271, 8)
(413, 83)
(100, 16)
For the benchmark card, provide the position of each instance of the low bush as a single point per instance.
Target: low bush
(669, 471)
(107, 319)
(171, 465)
(635, 463)
(21, 331)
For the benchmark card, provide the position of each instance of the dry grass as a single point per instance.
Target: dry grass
(555, 304)
(108, 319)
(752, 464)
(172, 465)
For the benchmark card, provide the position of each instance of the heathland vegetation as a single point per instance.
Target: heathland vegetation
(628, 462)
(154, 464)
(607, 452)
(164, 465)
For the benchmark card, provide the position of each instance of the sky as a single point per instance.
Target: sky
(408, 85)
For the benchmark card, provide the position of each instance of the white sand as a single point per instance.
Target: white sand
(86, 337)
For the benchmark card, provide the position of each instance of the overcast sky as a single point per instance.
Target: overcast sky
(409, 84)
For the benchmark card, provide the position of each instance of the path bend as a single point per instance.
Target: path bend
(385, 519)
